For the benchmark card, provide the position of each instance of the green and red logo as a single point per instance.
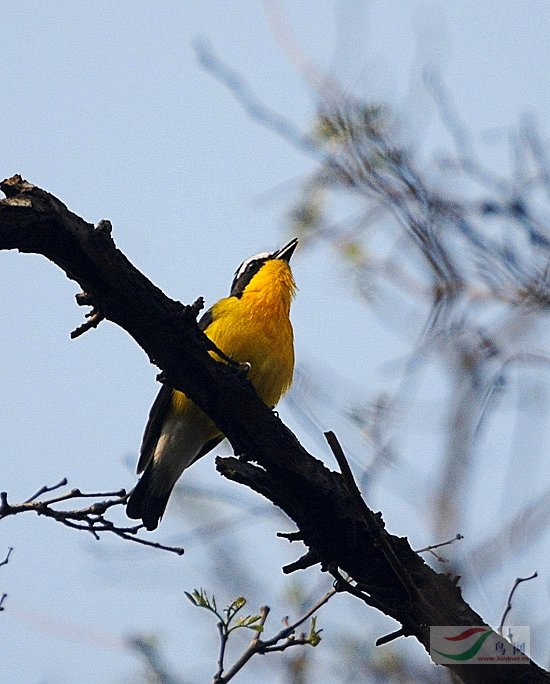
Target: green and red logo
(478, 645)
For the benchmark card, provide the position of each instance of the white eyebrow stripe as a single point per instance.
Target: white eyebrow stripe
(243, 266)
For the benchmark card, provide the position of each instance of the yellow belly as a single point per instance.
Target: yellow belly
(263, 339)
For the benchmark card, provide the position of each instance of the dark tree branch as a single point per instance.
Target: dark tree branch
(336, 525)
(390, 637)
(343, 464)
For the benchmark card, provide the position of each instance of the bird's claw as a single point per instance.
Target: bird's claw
(243, 367)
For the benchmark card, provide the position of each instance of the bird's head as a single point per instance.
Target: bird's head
(266, 273)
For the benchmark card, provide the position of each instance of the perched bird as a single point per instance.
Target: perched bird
(251, 326)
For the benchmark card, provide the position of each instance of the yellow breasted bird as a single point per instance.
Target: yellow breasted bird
(251, 326)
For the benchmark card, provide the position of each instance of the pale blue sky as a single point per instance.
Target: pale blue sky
(105, 105)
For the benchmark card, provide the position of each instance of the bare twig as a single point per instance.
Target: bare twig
(89, 518)
(95, 316)
(390, 637)
(45, 489)
(508, 608)
(342, 461)
(290, 629)
(306, 561)
(7, 558)
(431, 547)
(223, 643)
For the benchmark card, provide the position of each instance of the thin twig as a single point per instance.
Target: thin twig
(223, 643)
(284, 633)
(390, 637)
(7, 558)
(45, 489)
(264, 612)
(508, 608)
(89, 519)
(341, 459)
(95, 316)
(431, 548)
(306, 561)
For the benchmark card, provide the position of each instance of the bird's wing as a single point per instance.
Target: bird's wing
(157, 414)
(206, 319)
(204, 322)
(208, 446)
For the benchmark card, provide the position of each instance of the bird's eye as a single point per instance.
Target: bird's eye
(246, 272)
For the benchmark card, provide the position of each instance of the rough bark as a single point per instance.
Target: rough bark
(334, 522)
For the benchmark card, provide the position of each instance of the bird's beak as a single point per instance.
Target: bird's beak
(287, 251)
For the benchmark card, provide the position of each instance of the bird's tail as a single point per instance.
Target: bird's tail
(144, 503)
